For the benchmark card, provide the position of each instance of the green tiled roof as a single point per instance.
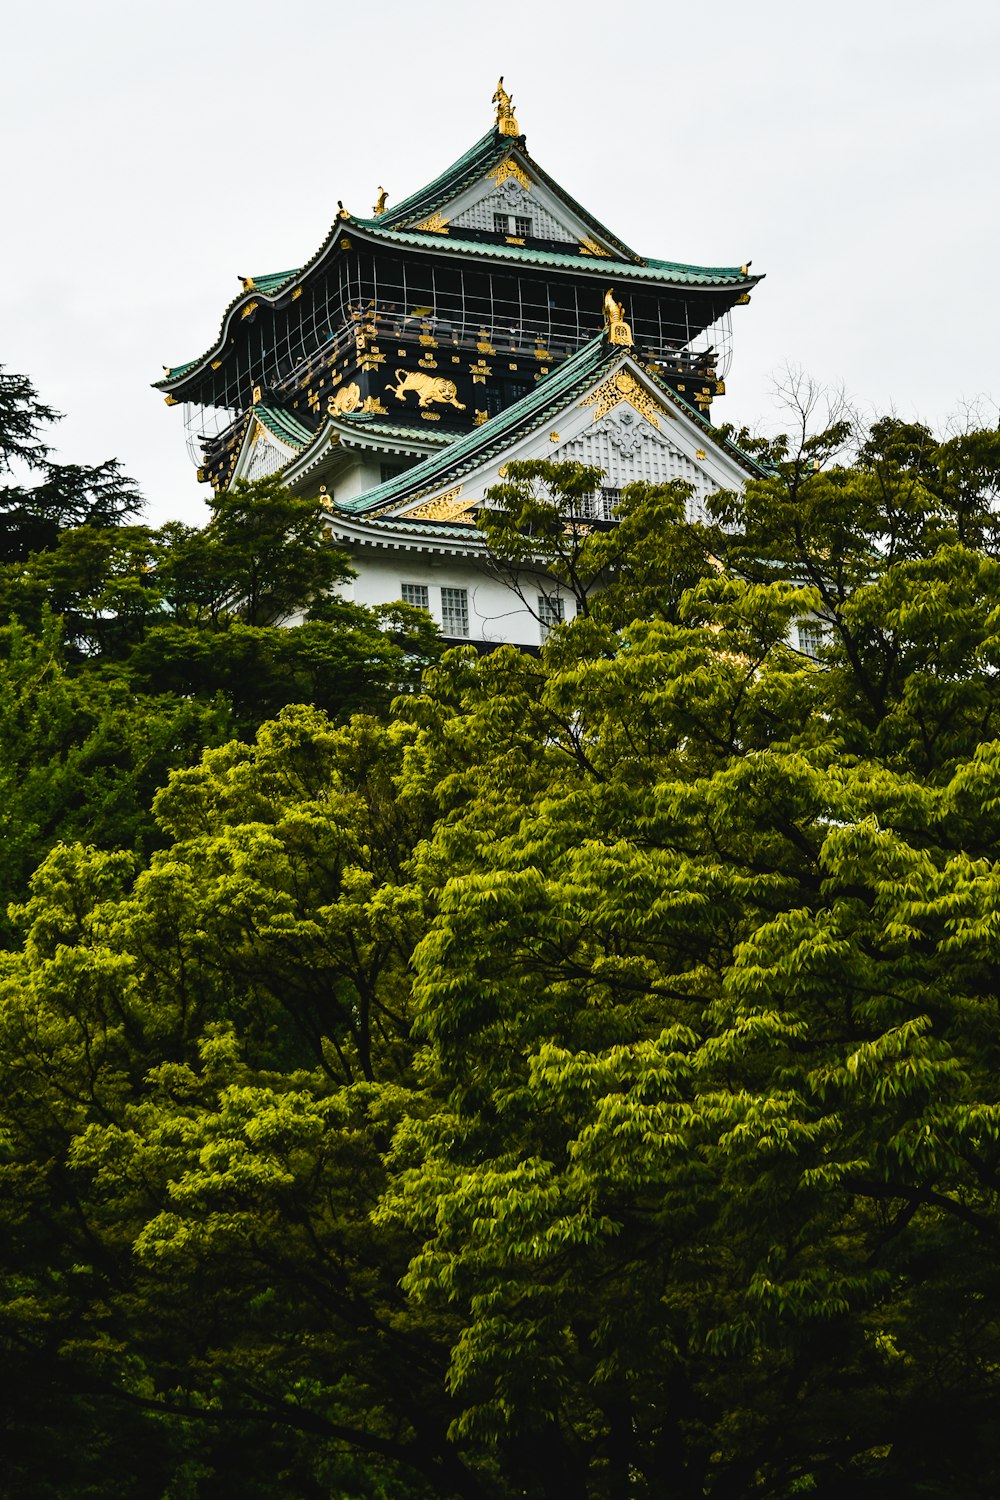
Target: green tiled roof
(366, 421)
(171, 372)
(481, 158)
(390, 229)
(272, 281)
(601, 266)
(285, 427)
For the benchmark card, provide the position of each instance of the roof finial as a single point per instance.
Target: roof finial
(506, 124)
(380, 202)
(617, 329)
(342, 212)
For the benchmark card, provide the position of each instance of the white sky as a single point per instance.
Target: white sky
(153, 151)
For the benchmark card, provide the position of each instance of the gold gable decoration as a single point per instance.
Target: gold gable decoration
(623, 386)
(591, 247)
(446, 507)
(434, 225)
(510, 169)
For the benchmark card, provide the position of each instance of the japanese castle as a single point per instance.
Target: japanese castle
(487, 317)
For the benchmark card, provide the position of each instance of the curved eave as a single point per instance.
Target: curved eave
(347, 432)
(600, 268)
(375, 232)
(460, 538)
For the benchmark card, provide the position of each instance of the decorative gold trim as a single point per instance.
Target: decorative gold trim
(700, 453)
(742, 301)
(485, 347)
(345, 244)
(446, 507)
(346, 400)
(296, 294)
(513, 240)
(374, 405)
(508, 169)
(170, 400)
(248, 283)
(480, 418)
(216, 364)
(506, 123)
(380, 203)
(591, 247)
(436, 224)
(623, 386)
(251, 307)
(615, 326)
(256, 394)
(553, 437)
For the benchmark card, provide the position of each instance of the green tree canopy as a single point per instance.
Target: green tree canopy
(580, 1082)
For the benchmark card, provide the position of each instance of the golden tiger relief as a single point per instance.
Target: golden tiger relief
(429, 388)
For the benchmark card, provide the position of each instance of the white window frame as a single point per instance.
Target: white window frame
(416, 588)
(450, 616)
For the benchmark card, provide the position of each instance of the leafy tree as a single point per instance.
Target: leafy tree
(64, 495)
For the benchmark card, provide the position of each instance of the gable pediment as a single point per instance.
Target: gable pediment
(624, 423)
(262, 453)
(515, 199)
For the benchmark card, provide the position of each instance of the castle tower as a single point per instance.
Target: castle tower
(434, 329)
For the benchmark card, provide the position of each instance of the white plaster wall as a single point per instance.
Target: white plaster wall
(363, 475)
(495, 611)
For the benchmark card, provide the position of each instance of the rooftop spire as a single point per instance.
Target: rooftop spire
(506, 123)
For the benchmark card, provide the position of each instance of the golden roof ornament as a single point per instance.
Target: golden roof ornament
(380, 202)
(342, 212)
(615, 326)
(506, 123)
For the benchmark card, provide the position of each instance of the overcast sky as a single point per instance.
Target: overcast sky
(152, 152)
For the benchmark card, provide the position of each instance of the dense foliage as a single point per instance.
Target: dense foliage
(125, 650)
(579, 1081)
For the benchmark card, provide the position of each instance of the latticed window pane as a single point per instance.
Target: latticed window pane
(550, 613)
(522, 225)
(415, 593)
(599, 504)
(811, 636)
(500, 222)
(455, 611)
